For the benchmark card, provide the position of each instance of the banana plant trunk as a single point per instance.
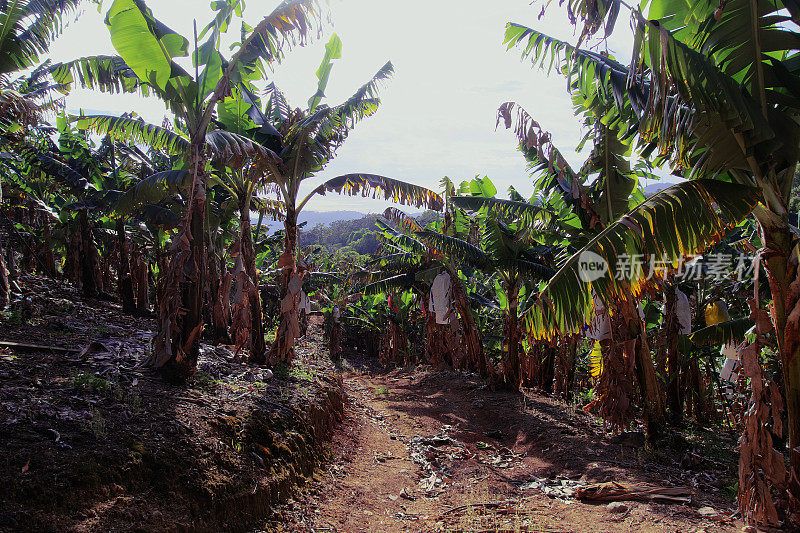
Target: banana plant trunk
(697, 404)
(511, 333)
(645, 372)
(124, 280)
(180, 314)
(5, 288)
(471, 336)
(644, 368)
(435, 343)
(72, 263)
(49, 255)
(4, 285)
(674, 394)
(219, 320)
(105, 272)
(784, 281)
(140, 281)
(547, 370)
(258, 349)
(566, 376)
(89, 286)
(282, 350)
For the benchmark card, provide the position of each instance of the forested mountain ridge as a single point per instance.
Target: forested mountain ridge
(358, 235)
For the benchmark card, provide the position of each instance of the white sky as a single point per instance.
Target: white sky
(438, 114)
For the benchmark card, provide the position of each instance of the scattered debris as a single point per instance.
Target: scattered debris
(616, 507)
(502, 458)
(26, 347)
(432, 454)
(486, 505)
(558, 488)
(382, 457)
(614, 491)
(93, 348)
(406, 495)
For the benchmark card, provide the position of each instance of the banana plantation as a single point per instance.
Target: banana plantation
(577, 351)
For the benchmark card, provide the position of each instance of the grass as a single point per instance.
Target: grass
(582, 397)
(12, 317)
(303, 372)
(98, 425)
(205, 380)
(282, 370)
(298, 371)
(91, 381)
(381, 390)
(94, 382)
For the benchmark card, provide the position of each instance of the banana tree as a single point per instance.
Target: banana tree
(242, 184)
(413, 260)
(405, 263)
(306, 141)
(711, 90)
(507, 249)
(126, 164)
(29, 27)
(586, 201)
(148, 51)
(79, 169)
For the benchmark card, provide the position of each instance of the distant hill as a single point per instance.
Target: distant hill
(358, 234)
(656, 187)
(312, 218)
(327, 217)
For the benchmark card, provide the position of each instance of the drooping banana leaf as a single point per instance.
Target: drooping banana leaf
(289, 24)
(63, 172)
(678, 221)
(457, 249)
(684, 105)
(390, 189)
(152, 190)
(364, 102)
(401, 240)
(135, 131)
(401, 219)
(103, 73)
(320, 279)
(232, 149)
(28, 29)
(497, 206)
(393, 283)
(99, 200)
(729, 332)
(269, 207)
(158, 216)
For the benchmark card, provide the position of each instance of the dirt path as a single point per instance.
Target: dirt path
(424, 451)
